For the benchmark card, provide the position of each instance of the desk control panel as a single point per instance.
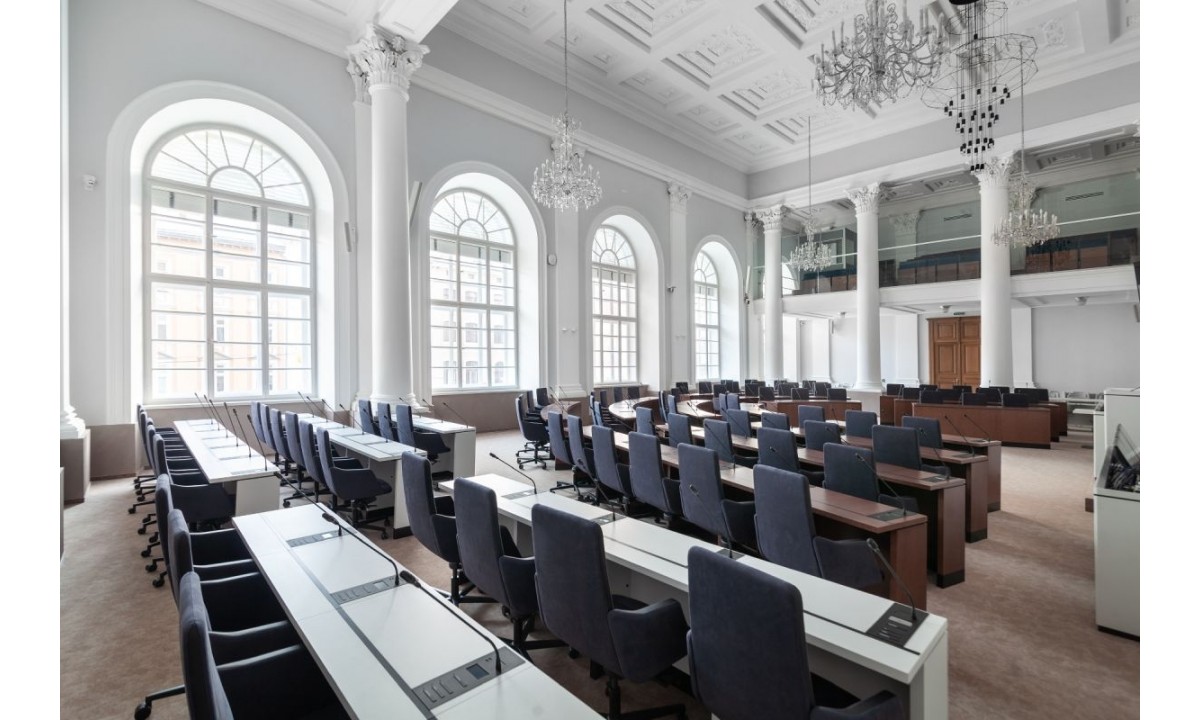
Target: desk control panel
(521, 494)
(310, 539)
(463, 679)
(359, 592)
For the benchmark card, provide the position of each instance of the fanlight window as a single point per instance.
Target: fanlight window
(233, 162)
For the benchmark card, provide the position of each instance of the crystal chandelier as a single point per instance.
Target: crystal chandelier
(562, 182)
(973, 83)
(1024, 226)
(810, 256)
(884, 59)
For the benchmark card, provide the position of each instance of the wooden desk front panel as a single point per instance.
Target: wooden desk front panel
(834, 409)
(1015, 426)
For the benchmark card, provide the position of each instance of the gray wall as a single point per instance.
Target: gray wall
(1086, 348)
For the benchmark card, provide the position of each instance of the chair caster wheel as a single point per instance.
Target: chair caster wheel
(287, 503)
(141, 530)
(142, 712)
(156, 582)
(146, 552)
(152, 567)
(572, 653)
(132, 510)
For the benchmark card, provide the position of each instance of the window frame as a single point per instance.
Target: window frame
(208, 282)
(487, 307)
(599, 318)
(715, 288)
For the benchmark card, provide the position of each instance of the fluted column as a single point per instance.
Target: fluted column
(995, 293)
(866, 207)
(681, 348)
(385, 63)
(772, 221)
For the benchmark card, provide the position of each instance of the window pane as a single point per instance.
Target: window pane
(291, 356)
(177, 355)
(290, 248)
(230, 383)
(289, 331)
(237, 329)
(281, 305)
(288, 273)
(237, 355)
(289, 382)
(236, 302)
(176, 326)
(181, 298)
(177, 261)
(236, 268)
(171, 384)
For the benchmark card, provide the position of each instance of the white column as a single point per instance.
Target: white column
(360, 232)
(753, 338)
(681, 348)
(772, 220)
(571, 292)
(866, 207)
(995, 294)
(388, 62)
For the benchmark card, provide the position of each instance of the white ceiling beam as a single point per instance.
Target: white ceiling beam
(413, 20)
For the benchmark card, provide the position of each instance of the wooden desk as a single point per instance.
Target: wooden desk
(626, 410)
(834, 409)
(971, 468)
(1030, 427)
(564, 408)
(944, 501)
(992, 449)
(887, 410)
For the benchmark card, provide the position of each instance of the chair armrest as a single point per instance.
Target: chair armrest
(248, 643)
(880, 706)
(282, 683)
(649, 639)
(240, 602)
(674, 502)
(516, 573)
(218, 571)
(739, 518)
(218, 546)
(201, 502)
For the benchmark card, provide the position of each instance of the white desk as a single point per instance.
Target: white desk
(224, 459)
(379, 650)
(649, 563)
(382, 456)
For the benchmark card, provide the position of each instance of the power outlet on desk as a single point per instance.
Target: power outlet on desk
(465, 678)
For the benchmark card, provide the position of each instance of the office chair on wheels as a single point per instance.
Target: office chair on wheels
(537, 438)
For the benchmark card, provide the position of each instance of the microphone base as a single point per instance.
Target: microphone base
(896, 626)
(887, 515)
(521, 494)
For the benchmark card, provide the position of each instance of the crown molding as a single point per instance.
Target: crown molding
(286, 21)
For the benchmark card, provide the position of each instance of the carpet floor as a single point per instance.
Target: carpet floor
(1023, 640)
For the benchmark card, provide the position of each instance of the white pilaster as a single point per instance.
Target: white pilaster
(753, 344)
(681, 348)
(385, 63)
(995, 301)
(866, 207)
(70, 425)
(772, 221)
(360, 233)
(570, 286)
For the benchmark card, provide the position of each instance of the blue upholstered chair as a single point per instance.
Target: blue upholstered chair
(366, 422)
(818, 434)
(766, 393)
(800, 393)
(929, 430)
(702, 497)
(409, 434)
(851, 470)
(585, 462)
(777, 448)
(679, 430)
(776, 420)
(384, 421)
(432, 521)
(739, 422)
(536, 434)
(560, 448)
(645, 420)
(646, 478)
(493, 562)
(809, 412)
(625, 638)
(612, 477)
(358, 487)
(748, 652)
(930, 397)
(899, 446)
(718, 436)
(910, 393)
(894, 389)
(1014, 400)
(860, 422)
(836, 393)
(979, 398)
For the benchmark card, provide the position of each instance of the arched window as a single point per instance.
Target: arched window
(708, 324)
(228, 267)
(789, 280)
(614, 308)
(473, 290)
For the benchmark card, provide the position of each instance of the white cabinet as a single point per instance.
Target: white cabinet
(1117, 521)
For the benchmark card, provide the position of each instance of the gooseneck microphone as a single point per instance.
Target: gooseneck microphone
(229, 415)
(328, 410)
(937, 453)
(207, 411)
(960, 432)
(497, 458)
(972, 421)
(724, 445)
(411, 579)
(242, 430)
(707, 511)
(262, 450)
(455, 413)
(335, 520)
(349, 415)
(912, 604)
(886, 484)
(216, 414)
(307, 405)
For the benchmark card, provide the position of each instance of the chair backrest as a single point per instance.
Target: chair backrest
(860, 422)
(821, 389)
(910, 393)
(682, 386)
(846, 473)
(383, 420)
(929, 430)
(530, 429)
(706, 387)
(732, 401)
(951, 396)
(679, 430)
(582, 458)
(719, 437)
(961, 388)
(776, 420)
(777, 449)
(928, 386)
(645, 420)
(256, 421)
(739, 422)
(719, 389)
(571, 576)
(325, 456)
(700, 489)
(809, 412)
(542, 397)
(800, 393)
(1000, 388)
(975, 399)
(206, 699)
(753, 387)
(275, 420)
(291, 426)
(645, 470)
(417, 475)
(405, 432)
(662, 401)
(893, 389)
(308, 450)
(604, 453)
(558, 442)
(930, 397)
(162, 508)
(836, 393)
(1014, 400)
(479, 544)
(366, 421)
(1041, 394)
(766, 393)
(746, 648)
(783, 519)
(602, 396)
(618, 394)
(264, 421)
(176, 544)
(993, 394)
(819, 434)
(672, 404)
(732, 386)
(896, 446)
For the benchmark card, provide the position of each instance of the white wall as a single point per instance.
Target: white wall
(1086, 348)
(843, 350)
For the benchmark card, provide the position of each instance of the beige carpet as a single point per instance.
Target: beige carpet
(1023, 642)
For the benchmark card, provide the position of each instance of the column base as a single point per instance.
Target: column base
(868, 387)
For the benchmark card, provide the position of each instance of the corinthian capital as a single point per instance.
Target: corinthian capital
(995, 172)
(771, 217)
(382, 59)
(906, 224)
(865, 199)
(679, 195)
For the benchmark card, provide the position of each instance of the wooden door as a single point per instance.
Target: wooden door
(954, 351)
